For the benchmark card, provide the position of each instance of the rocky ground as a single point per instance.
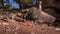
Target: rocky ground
(18, 25)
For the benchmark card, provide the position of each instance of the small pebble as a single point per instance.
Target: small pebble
(57, 29)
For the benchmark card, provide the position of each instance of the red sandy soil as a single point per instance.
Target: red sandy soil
(27, 27)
